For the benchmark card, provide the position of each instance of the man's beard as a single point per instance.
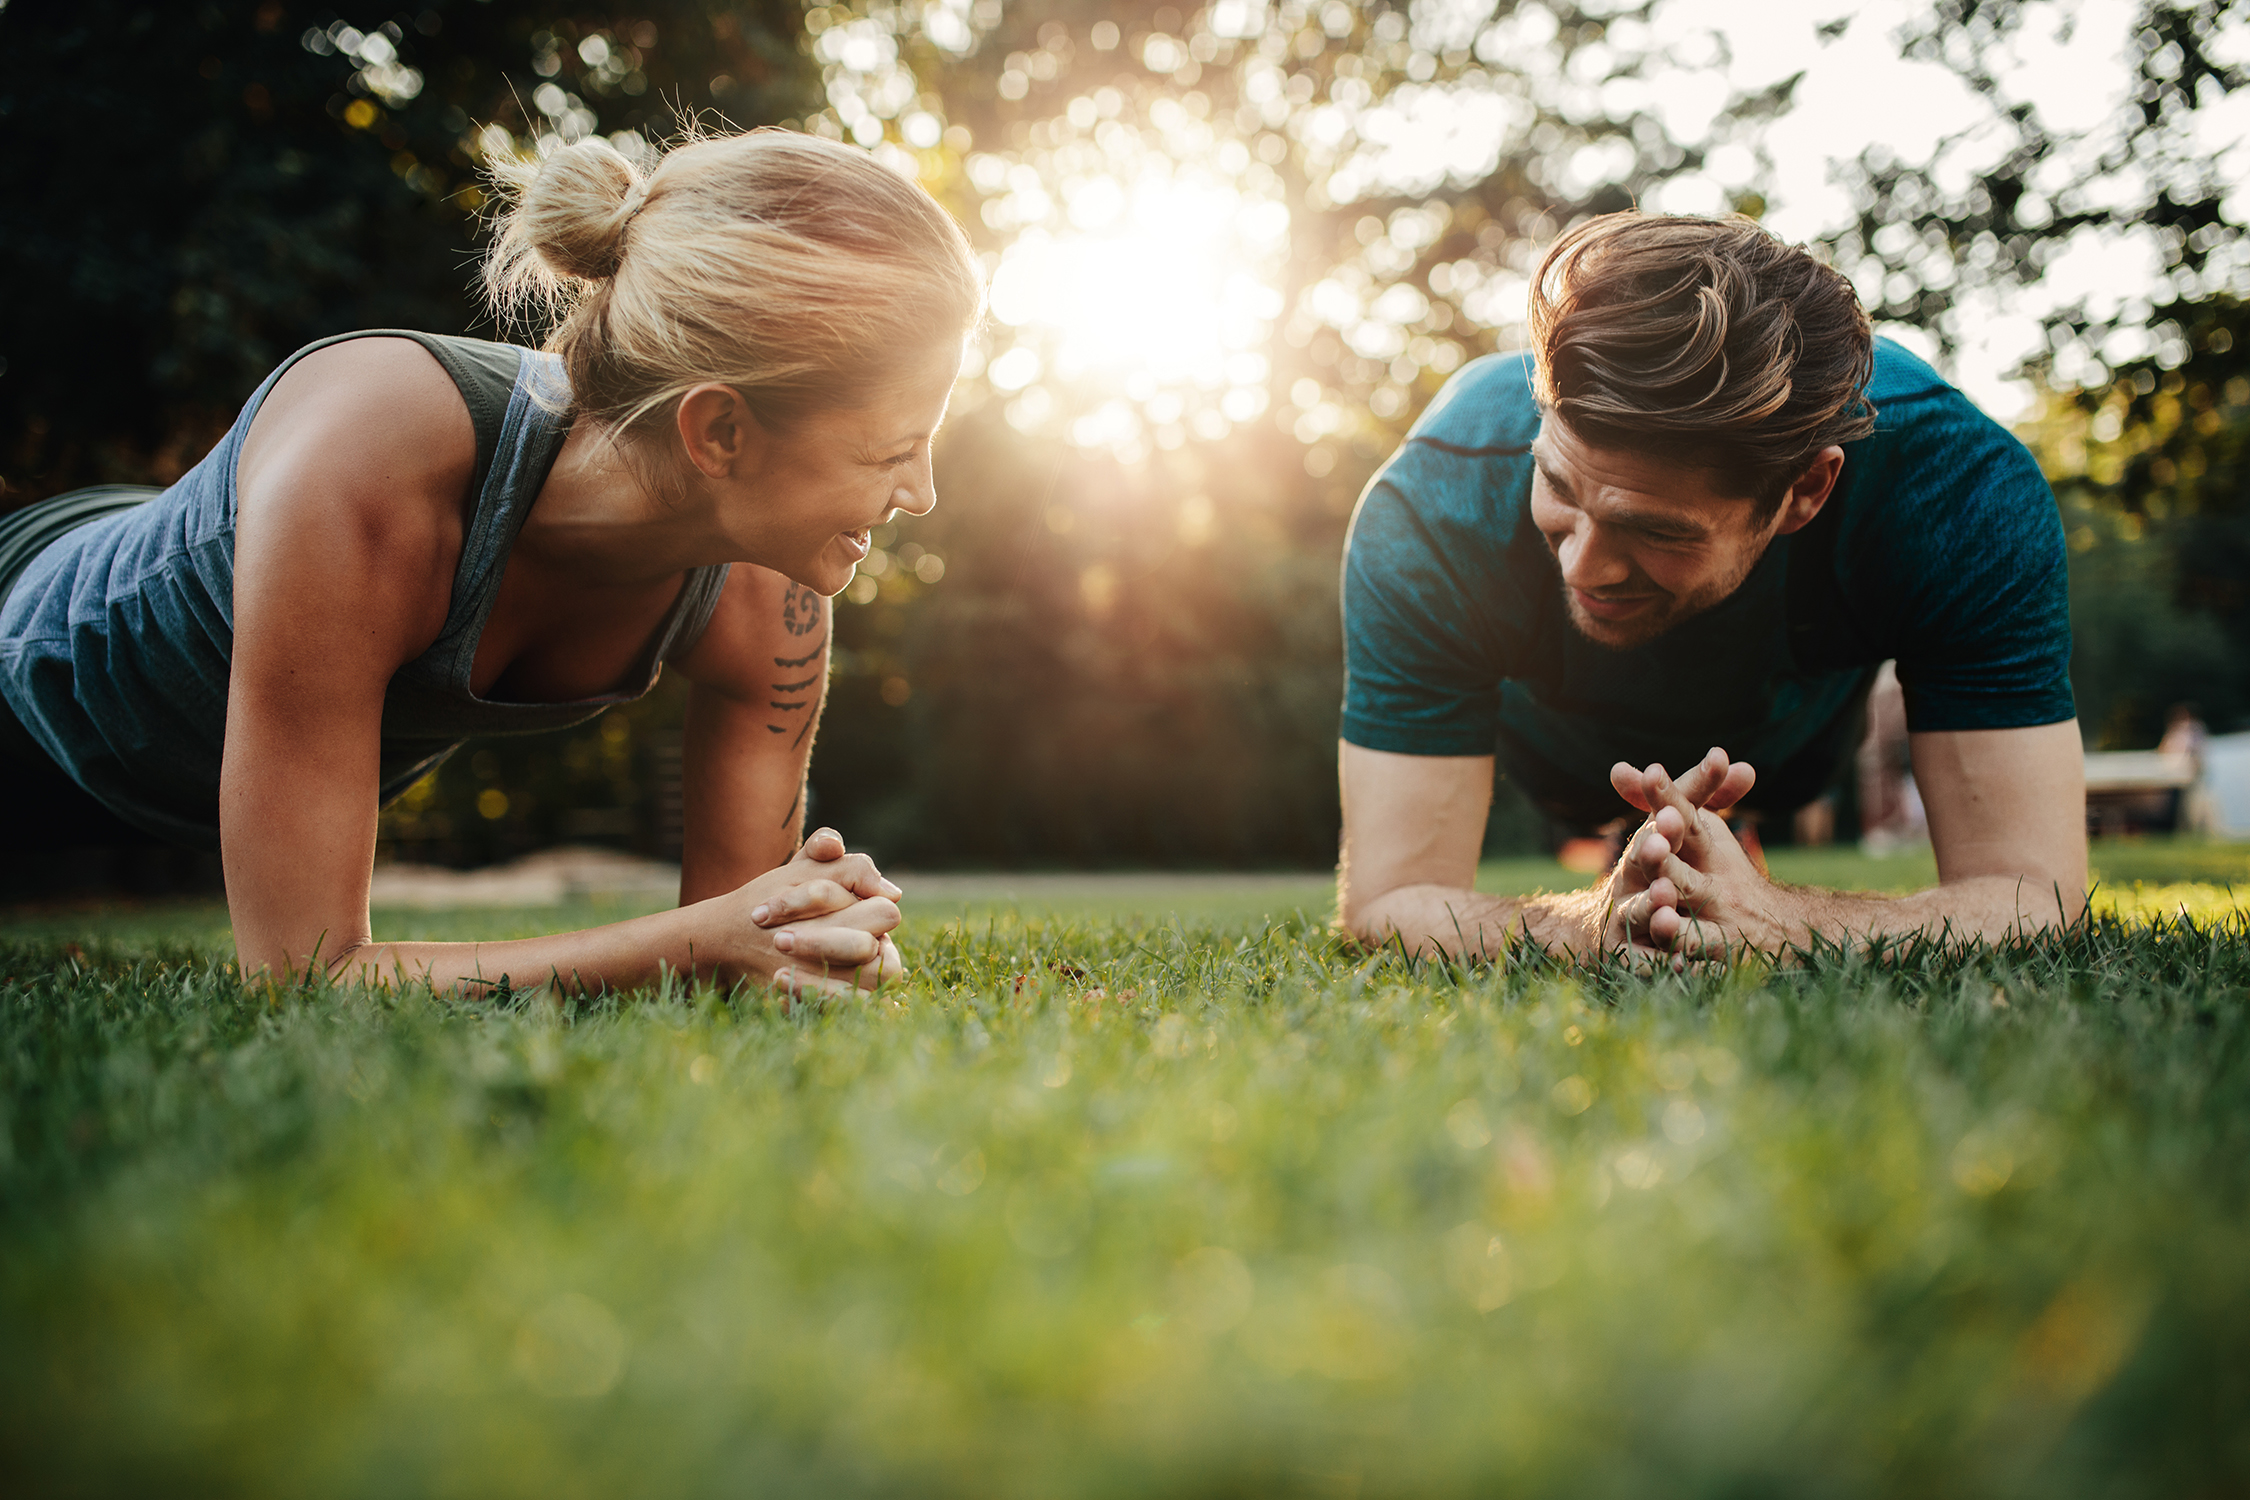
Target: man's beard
(1663, 613)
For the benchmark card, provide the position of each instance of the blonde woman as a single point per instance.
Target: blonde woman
(408, 540)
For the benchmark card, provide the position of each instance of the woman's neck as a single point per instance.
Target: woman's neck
(599, 519)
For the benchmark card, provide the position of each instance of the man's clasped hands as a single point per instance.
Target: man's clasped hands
(1684, 891)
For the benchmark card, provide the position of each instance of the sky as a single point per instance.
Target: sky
(2070, 61)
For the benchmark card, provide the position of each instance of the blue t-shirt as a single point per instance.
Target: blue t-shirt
(1940, 548)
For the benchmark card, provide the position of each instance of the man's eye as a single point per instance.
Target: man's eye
(901, 459)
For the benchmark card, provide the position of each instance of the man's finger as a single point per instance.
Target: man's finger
(1705, 942)
(1693, 893)
(1629, 784)
(1692, 842)
(1706, 776)
(1740, 777)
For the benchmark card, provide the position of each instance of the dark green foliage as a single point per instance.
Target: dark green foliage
(1110, 1208)
(191, 196)
(2153, 470)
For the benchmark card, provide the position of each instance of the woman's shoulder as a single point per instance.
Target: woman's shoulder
(376, 416)
(363, 454)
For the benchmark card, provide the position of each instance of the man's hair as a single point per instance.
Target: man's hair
(1707, 342)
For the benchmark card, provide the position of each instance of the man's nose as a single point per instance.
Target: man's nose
(1589, 560)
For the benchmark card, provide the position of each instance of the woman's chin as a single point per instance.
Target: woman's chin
(824, 577)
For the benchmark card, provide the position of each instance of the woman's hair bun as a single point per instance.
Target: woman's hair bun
(803, 272)
(568, 216)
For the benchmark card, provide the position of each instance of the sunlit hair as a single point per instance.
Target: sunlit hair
(1706, 342)
(798, 270)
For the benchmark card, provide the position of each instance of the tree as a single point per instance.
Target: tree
(196, 189)
(1236, 249)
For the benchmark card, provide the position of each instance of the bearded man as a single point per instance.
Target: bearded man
(1702, 511)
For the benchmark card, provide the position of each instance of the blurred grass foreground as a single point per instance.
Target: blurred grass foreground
(1104, 1204)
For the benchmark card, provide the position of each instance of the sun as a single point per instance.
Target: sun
(1135, 300)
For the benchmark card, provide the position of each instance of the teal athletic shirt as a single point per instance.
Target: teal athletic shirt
(1940, 548)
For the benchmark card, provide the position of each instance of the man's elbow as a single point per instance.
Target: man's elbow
(1365, 917)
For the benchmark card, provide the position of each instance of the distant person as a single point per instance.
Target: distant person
(409, 540)
(1699, 513)
(2186, 736)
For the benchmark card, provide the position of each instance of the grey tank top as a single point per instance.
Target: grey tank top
(116, 636)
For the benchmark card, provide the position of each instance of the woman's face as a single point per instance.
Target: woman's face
(832, 476)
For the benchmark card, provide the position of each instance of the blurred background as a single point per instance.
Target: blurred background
(1235, 249)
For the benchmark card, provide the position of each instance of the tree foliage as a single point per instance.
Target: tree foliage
(197, 187)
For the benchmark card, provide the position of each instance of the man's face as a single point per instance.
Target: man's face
(1643, 544)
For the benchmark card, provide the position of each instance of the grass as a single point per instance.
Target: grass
(1115, 1203)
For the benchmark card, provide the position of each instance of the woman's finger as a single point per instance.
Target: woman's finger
(888, 966)
(799, 982)
(858, 872)
(837, 947)
(796, 903)
(822, 845)
(877, 914)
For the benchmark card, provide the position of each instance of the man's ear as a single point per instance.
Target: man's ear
(721, 436)
(1811, 490)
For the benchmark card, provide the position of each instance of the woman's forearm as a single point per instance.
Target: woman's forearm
(618, 955)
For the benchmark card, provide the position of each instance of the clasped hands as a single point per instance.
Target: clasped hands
(820, 924)
(1685, 889)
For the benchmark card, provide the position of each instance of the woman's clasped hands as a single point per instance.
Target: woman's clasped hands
(820, 924)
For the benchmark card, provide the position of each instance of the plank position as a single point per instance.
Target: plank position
(408, 540)
(1701, 512)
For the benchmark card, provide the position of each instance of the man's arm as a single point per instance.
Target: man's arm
(1413, 827)
(2007, 811)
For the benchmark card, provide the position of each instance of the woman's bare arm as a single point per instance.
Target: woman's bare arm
(760, 675)
(347, 534)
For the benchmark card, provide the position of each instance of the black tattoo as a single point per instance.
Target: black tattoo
(800, 739)
(790, 816)
(801, 610)
(798, 661)
(787, 708)
(794, 687)
(777, 729)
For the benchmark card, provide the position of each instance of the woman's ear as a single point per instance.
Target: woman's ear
(722, 438)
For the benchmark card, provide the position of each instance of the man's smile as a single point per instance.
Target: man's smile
(1611, 606)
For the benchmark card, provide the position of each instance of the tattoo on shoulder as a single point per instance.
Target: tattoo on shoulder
(790, 816)
(801, 610)
(798, 661)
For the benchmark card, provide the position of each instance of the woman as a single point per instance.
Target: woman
(408, 540)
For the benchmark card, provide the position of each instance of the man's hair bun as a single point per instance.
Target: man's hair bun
(568, 218)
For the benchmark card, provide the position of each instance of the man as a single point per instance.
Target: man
(1702, 511)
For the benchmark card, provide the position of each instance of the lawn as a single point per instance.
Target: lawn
(1145, 1197)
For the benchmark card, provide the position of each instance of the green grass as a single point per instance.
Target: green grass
(1133, 1203)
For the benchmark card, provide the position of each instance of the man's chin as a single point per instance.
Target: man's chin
(1636, 629)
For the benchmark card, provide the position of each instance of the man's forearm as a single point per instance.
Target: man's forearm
(1432, 919)
(1991, 907)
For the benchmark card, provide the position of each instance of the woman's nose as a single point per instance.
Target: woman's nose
(918, 498)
